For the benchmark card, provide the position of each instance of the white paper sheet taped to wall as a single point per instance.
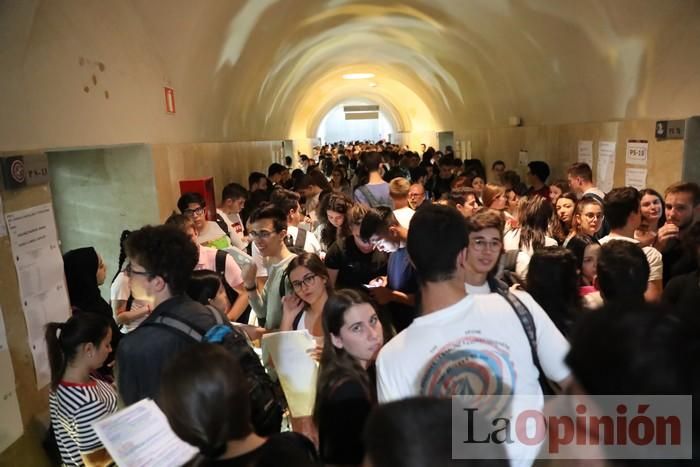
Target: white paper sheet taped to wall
(606, 165)
(11, 427)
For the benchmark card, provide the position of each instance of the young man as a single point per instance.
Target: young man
(398, 190)
(457, 337)
(311, 187)
(161, 260)
(376, 191)
(209, 233)
(622, 273)
(277, 174)
(485, 231)
(207, 260)
(233, 198)
(622, 213)
(381, 228)
(440, 183)
(288, 202)
(268, 228)
(257, 181)
(416, 196)
(682, 211)
(537, 175)
(580, 178)
(464, 200)
(497, 169)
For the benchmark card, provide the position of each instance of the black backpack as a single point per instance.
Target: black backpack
(220, 265)
(266, 410)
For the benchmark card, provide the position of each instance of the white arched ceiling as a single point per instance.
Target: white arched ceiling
(267, 69)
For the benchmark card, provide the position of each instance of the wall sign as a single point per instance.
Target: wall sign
(20, 171)
(670, 129)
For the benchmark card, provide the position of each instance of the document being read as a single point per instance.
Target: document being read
(140, 436)
(296, 370)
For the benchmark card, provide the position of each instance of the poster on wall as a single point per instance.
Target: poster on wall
(606, 165)
(637, 152)
(39, 266)
(585, 152)
(522, 158)
(11, 427)
(636, 177)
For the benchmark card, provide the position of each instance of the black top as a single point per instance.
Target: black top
(354, 267)
(683, 292)
(288, 449)
(342, 416)
(677, 260)
(144, 351)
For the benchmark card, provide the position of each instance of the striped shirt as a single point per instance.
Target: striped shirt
(73, 408)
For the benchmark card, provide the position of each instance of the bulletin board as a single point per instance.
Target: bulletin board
(33, 402)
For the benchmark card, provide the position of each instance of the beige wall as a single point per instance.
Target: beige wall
(226, 162)
(558, 146)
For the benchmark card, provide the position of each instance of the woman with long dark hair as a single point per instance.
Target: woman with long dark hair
(564, 206)
(128, 312)
(651, 207)
(346, 384)
(76, 349)
(206, 288)
(332, 210)
(312, 286)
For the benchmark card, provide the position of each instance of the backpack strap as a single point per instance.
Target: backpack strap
(220, 265)
(222, 223)
(373, 203)
(184, 327)
(528, 324)
(297, 320)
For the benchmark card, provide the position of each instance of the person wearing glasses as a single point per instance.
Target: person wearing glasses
(485, 230)
(302, 309)
(268, 229)
(622, 210)
(209, 233)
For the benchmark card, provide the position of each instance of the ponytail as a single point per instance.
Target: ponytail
(122, 253)
(64, 339)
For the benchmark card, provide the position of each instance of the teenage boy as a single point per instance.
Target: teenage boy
(497, 169)
(232, 278)
(458, 337)
(682, 202)
(268, 228)
(485, 231)
(300, 239)
(465, 200)
(537, 175)
(398, 190)
(209, 233)
(398, 290)
(233, 198)
(580, 178)
(623, 215)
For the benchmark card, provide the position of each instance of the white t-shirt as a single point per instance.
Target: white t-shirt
(654, 258)
(595, 190)
(480, 342)
(121, 290)
(404, 215)
(236, 231)
(477, 289)
(213, 236)
(511, 241)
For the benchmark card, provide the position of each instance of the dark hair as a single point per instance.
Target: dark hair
(288, 161)
(563, 185)
(416, 173)
(578, 210)
(233, 191)
(272, 212)
(336, 364)
(371, 160)
(652, 192)
(275, 168)
(286, 200)
(204, 394)
(539, 169)
(377, 222)
(552, 280)
(339, 203)
(62, 347)
(685, 187)
(559, 229)
(623, 271)
(165, 251)
(188, 198)
(485, 219)
(254, 178)
(313, 263)
(511, 178)
(314, 178)
(534, 220)
(460, 195)
(498, 162)
(122, 254)
(582, 170)
(415, 432)
(203, 286)
(619, 204)
(180, 221)
(437, 234)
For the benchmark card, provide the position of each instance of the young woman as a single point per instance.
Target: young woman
(339, 181)
(332, 210)
(76, 349)
(478, 184)
(206, 288)
(312, 286)
(564, 208)
(651, 208)
(204, 395)
(129, 312)
(85, 272)
(557, 189)
(346, 384)
(588, 219)
(494, 197)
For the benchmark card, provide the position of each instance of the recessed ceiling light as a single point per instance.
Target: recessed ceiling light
(358, 76)
(372, 85)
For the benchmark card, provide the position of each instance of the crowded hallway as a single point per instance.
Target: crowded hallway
(306, 234)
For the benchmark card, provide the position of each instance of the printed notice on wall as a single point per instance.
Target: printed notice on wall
(3, 229)
(637, 151)
(39, 267)
(606, 165)
(522, 158)
(636, 177)
(585, 152)
(11, 427)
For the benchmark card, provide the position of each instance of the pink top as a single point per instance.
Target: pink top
(586, 289)
(207, 260)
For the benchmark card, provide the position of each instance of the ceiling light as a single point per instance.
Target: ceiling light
(372, 85)
(358, 76)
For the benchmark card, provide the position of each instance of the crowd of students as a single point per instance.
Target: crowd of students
(420, 276)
